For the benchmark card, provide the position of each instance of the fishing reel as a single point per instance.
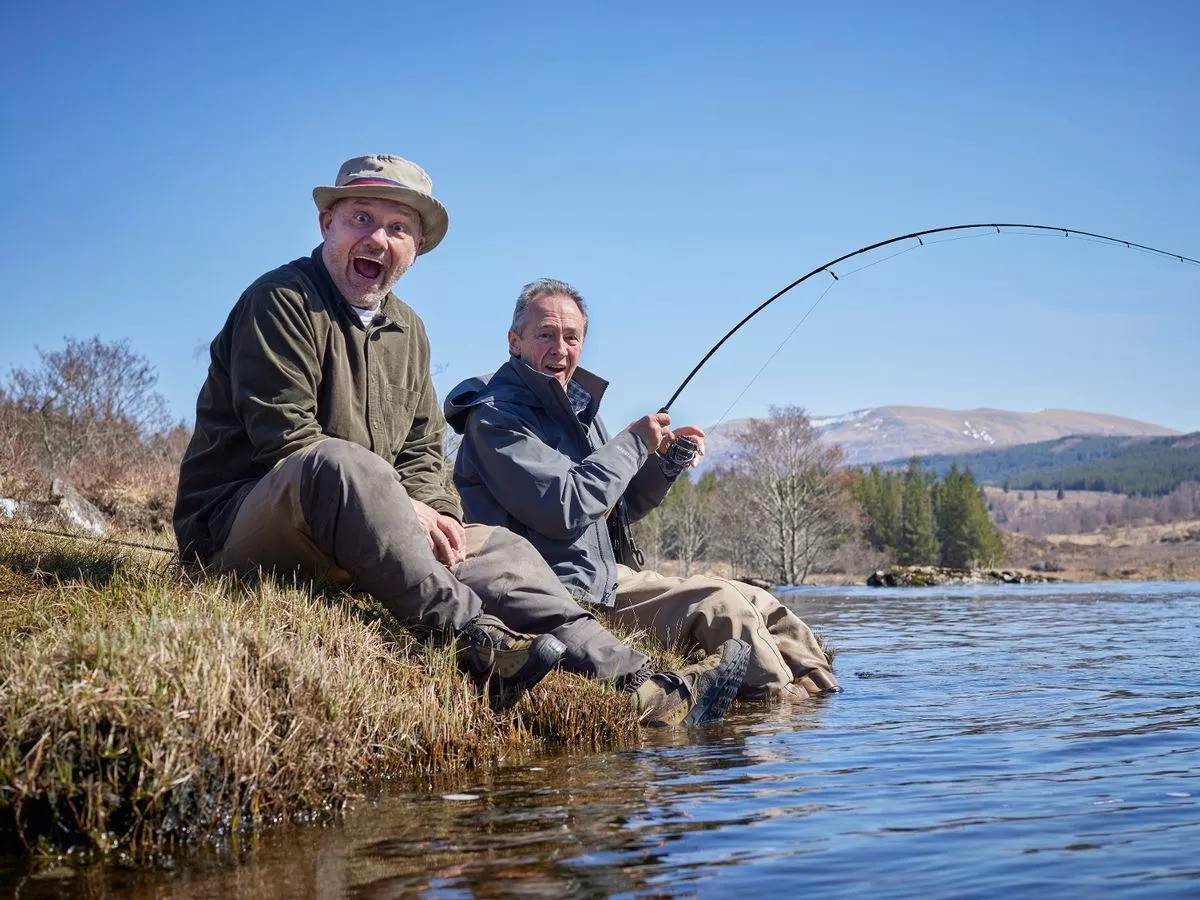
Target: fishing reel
(678, 456)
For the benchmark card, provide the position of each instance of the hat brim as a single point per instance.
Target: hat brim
(434, 218)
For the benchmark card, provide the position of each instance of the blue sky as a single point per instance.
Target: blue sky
(678, 162)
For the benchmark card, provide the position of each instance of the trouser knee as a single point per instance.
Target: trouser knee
(520, 554)
(519, 586)
(335, 472)
(361, 515)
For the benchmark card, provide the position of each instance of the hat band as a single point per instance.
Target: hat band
(387, 181)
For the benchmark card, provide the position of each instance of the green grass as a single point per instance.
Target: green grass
(141, 710)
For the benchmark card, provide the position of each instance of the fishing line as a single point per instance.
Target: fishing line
(1033, 230)
(87, 538)
(763, 367)
(836, 279)
(885, 259)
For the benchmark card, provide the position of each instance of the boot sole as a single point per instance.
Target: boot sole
(726, 682)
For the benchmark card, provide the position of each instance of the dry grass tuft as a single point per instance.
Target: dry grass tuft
(140, 710)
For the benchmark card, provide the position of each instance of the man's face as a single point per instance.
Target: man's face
(552, 337)
(369, 244)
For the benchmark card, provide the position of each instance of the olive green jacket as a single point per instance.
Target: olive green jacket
(294, 365)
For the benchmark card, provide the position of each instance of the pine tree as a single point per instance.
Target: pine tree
(891, 498)
(950, 520)
(965, 533)
(986, 541)
(917, 545)
(879, 496)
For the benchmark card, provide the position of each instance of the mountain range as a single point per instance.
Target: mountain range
(886, 433)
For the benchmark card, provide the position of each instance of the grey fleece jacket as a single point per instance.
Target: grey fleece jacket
(528, 463)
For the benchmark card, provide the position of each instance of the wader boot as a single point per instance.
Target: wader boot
(510, 661)
(697, 694)
(818, 683)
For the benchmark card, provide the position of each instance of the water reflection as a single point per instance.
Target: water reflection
(997, 740)
(595, 825)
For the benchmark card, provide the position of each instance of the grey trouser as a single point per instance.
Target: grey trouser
(336, 510)
(704, 612)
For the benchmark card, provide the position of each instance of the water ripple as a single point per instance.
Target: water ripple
(1020, 740)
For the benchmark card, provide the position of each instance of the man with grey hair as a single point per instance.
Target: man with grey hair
(318, 448)
(537, 459)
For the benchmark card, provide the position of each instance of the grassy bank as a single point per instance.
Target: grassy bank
(140, 710)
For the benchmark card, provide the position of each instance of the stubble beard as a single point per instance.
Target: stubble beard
(373, 299)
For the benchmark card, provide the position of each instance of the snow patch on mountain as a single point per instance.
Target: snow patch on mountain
(822, 422)
(977, 432)
(886, 433)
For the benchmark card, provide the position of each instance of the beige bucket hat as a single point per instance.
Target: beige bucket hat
(389, 178)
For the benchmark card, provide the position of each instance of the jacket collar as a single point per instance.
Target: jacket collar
(550, 393)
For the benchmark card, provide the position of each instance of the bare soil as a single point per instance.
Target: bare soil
(1145, 553)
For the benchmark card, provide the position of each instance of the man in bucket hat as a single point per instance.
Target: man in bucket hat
(318, 448)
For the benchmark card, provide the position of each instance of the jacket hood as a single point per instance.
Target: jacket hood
(516, 384)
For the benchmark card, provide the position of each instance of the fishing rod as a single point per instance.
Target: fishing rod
(918, 235)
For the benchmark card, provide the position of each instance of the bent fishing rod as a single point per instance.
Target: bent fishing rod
(917, 235)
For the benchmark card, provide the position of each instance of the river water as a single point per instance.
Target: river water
(1038, 739)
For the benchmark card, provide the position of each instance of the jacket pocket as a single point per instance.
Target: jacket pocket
(401, 411)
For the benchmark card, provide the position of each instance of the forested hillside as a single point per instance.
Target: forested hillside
(1149, 466)
(897, 433)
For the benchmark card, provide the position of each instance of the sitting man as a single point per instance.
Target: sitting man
(536, 458)
(318, 448)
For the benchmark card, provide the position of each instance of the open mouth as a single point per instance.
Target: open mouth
(369, 269)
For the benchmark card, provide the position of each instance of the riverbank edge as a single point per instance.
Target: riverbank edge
(142, 710)
(936, 576)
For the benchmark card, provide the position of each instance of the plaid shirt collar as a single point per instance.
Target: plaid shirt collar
(578, 398)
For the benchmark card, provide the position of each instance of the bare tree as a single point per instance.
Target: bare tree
(451, 442)
(18, 454)
(88, 397)
(735, 526)
(648, 533)
(1182, 501)
(687, 521)
(802, 505)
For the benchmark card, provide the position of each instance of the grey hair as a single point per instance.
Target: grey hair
(545, 287)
